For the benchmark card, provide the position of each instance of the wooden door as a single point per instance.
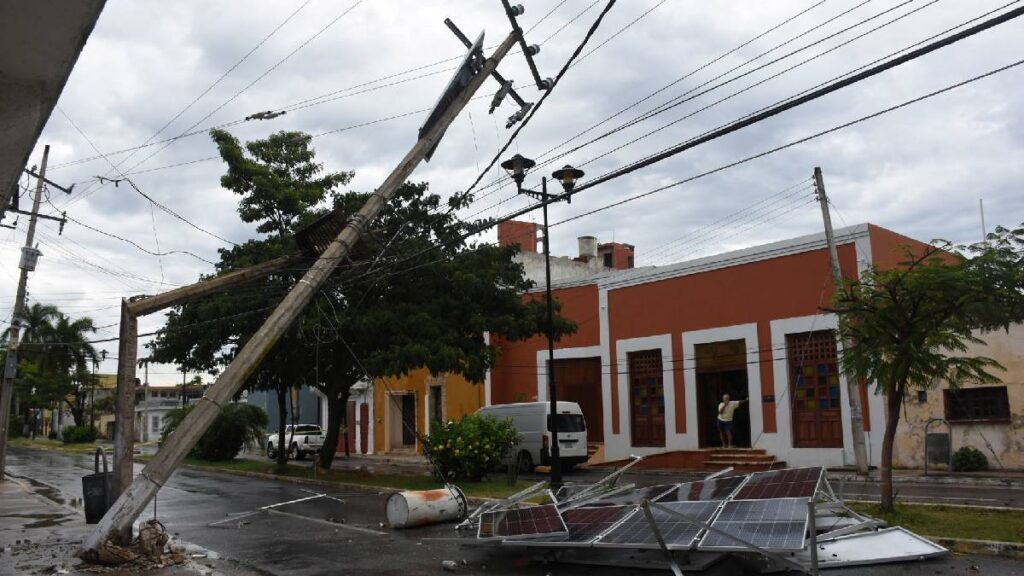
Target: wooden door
(408, 419)
(579, 380)
(350, 426)
(364, 428)
(646, 398)
(814, 387)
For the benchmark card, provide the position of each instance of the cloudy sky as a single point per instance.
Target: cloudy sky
(359, 75)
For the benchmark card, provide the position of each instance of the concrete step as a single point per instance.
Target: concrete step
(738, 451)
(743, 457)
(745, 465)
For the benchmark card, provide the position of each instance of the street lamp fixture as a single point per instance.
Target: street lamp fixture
(517, 167)
(568, 177)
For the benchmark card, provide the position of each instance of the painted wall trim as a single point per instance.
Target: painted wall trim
(747, 332)
(621, 446)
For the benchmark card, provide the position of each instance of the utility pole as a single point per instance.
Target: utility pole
(860, 452)
(133, 500)
(29, 255)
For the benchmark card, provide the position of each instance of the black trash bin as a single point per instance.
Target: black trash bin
(96, 489)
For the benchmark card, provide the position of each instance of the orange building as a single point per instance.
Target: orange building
(656, 348)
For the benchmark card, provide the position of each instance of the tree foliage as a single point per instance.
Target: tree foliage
(237, 426)
(412, 294)
(911, 325)
(54, 355)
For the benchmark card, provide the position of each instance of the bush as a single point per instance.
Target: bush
(17, 427)
(236, 427)
(969, 459)
(79, 434)
(470, 448)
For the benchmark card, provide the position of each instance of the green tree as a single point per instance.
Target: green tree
(32, 392)
(69, 352)
(413, 294)
(910, 326)
(236, 427)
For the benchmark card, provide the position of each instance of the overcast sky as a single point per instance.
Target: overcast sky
(919, 171)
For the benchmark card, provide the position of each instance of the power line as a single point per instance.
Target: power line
(810, 96)
(697, 91)
(795, 142)
(511, 216)
(240, 92)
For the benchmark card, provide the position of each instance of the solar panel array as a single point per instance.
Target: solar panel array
(789, 483)
(716, 489)
(777, 524)
(634, 497)
(586, 524)
(522, 523)
(766, 509)
(636, 532)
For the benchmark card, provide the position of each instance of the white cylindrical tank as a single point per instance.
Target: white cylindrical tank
(588, 247)
(423, 507)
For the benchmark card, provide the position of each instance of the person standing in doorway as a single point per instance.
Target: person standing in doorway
(726, 410)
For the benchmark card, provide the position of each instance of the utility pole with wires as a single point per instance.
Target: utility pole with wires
(29, 257)
(860, 452)
(135, 495)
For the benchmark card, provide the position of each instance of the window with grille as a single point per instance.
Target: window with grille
(970, 404)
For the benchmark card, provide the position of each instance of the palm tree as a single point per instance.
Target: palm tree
(70, 353)
(37, 322)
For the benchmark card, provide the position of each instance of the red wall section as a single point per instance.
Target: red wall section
(889, 249)
(514, 378)
(758, 292)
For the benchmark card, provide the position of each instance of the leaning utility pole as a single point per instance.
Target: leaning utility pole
(139, 493)
(29, 255)
(860, 451)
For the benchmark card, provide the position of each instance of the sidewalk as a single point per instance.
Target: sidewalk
(39, 535)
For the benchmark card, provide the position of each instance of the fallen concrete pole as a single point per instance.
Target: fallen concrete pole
(133, 501)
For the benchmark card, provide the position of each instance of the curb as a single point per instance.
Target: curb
(942, 480)
(980, 547)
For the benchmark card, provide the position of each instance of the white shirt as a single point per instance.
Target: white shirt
(725, 415)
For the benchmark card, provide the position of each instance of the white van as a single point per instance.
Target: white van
(531, 421)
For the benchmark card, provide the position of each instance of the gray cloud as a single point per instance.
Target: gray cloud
(919, 171)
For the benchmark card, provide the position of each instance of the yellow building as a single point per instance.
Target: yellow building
(404, 407)
(988, 417)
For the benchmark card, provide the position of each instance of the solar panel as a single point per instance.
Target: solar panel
(635, 531)
(533, 522)
(789, 483)
(716, 489)
(777, 524)
(586, 524)
(634, 497)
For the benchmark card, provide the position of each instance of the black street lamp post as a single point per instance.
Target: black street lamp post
(518, 166)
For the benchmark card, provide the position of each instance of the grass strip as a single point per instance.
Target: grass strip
(952, 522)
(47, 444)
(494, 488)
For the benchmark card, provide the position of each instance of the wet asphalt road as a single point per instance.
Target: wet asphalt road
(354, 543)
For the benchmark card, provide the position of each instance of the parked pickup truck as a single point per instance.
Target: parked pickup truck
(304, 439)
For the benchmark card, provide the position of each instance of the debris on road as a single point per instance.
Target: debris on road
(788, 519)
(425, 507)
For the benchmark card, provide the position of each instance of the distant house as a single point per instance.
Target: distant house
(153, 402)
(988, 417)
(305, 402)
